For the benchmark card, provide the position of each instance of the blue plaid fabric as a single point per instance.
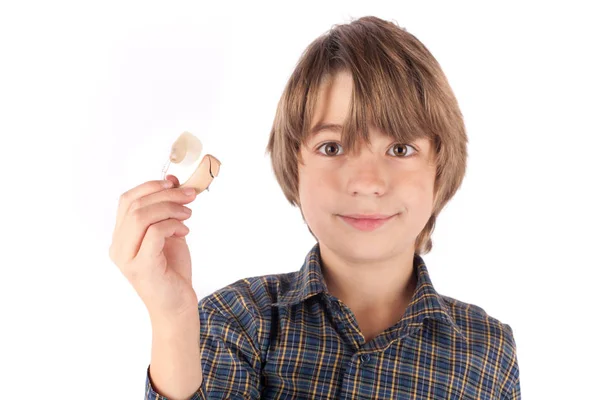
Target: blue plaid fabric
(284, 336)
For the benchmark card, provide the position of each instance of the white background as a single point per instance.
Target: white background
(92, 94)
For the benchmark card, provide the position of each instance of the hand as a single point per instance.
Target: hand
(149, 247)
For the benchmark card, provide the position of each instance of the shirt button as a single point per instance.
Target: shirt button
(365, 357)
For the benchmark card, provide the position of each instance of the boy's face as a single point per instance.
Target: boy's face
(382, 179)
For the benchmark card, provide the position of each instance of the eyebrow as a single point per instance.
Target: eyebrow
(325, 126)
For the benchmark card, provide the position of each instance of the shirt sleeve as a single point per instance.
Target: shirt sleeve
(512, 387)
(230, 361)
(515, 392)
(151, 394)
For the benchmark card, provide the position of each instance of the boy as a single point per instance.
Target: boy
(382, 151)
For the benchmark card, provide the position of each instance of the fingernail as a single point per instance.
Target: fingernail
(189, 191)
(167, 184)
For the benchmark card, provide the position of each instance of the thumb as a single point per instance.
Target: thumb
(173, 179)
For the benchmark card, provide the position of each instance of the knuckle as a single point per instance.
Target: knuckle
(137, 216)
(124, 197)
(135, 205)
(153, 230)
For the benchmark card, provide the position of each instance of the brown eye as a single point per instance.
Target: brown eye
(330, 148)
(398, 150)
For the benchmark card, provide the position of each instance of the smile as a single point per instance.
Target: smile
(366, 224)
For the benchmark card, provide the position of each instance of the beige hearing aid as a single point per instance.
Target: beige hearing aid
(185, 151)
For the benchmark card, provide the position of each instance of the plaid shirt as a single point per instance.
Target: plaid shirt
(285, 337)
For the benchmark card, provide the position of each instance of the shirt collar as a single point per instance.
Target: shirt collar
(425, 303)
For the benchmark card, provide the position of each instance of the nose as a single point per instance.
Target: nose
(366, 177)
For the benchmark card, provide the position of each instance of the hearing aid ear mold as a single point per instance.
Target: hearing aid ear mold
(185, 151)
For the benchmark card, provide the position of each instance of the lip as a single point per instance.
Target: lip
(366, 222)
(368, 216)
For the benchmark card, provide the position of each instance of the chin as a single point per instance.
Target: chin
(367, 245)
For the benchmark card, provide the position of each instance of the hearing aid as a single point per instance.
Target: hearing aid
(185, 151)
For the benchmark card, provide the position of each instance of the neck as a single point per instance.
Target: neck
(370, 285)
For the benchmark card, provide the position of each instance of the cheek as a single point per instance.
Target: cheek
(313, 187)
(417, 191)
(316, 197)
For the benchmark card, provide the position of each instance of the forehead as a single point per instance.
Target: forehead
(333, 101)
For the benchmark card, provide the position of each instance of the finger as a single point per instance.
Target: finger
(135, 193)
(136, 224)
(175, 196)
(154, 239)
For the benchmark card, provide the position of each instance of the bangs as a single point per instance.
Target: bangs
(388, 91)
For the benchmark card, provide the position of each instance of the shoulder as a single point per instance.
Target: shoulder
(477, 324)
(486, 335)
(248, 298)
(258, 291)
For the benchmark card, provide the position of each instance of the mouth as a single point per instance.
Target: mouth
(368, 216)
(366, 222)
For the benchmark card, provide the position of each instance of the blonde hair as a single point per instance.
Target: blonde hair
(398, 86)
